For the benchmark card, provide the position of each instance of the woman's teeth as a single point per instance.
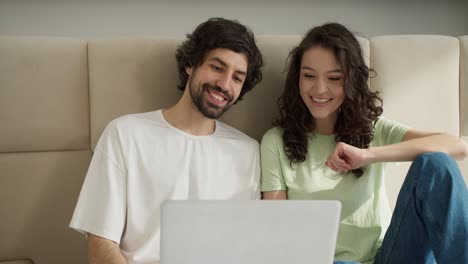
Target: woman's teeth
(318, 100)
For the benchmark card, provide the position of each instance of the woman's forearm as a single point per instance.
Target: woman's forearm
(408, 150)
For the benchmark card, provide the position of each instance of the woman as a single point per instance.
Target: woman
(329, 143)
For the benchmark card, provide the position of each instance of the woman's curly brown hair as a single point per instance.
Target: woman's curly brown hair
(360, 109)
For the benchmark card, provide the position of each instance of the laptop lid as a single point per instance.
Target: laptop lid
(249, 232)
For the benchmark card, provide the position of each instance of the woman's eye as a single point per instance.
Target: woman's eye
(334, 78)
(309, 76)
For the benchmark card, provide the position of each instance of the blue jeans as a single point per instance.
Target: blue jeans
(430, 220)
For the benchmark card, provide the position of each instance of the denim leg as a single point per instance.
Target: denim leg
(430, 221)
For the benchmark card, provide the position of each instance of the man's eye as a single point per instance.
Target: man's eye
(238, 79)
(216, 68)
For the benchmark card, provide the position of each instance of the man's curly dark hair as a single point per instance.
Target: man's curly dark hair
(218, 33)
(360, 109)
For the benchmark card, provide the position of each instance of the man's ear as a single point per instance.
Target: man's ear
(189, 70)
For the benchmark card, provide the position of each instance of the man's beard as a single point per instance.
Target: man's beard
(208, 109)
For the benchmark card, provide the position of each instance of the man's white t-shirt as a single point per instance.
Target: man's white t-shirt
(141, 161)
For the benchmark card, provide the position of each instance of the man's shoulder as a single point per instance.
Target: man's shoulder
(135, 121)
(226, 131)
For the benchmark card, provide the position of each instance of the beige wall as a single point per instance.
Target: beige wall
(109, 18)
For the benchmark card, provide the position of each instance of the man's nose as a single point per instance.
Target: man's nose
(224, 81)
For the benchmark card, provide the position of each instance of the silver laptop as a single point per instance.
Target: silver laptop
(249, 232)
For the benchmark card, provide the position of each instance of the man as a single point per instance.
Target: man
(182, 152)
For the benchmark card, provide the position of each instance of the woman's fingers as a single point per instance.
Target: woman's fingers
(331, 166)
(337, 164)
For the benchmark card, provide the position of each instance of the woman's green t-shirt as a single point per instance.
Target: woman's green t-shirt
(365, 213)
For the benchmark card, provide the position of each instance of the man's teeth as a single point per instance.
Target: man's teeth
(217, 96)
(321, 100)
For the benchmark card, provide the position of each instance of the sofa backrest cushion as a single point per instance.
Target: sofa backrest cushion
(44, 94)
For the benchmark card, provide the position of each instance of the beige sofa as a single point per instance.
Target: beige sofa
(57, 94)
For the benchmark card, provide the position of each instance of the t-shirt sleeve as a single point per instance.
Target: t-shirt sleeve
(388, 132)
(101, 207)
(256, 190)
(270, 152)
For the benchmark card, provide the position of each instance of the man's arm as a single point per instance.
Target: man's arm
(101, 250)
